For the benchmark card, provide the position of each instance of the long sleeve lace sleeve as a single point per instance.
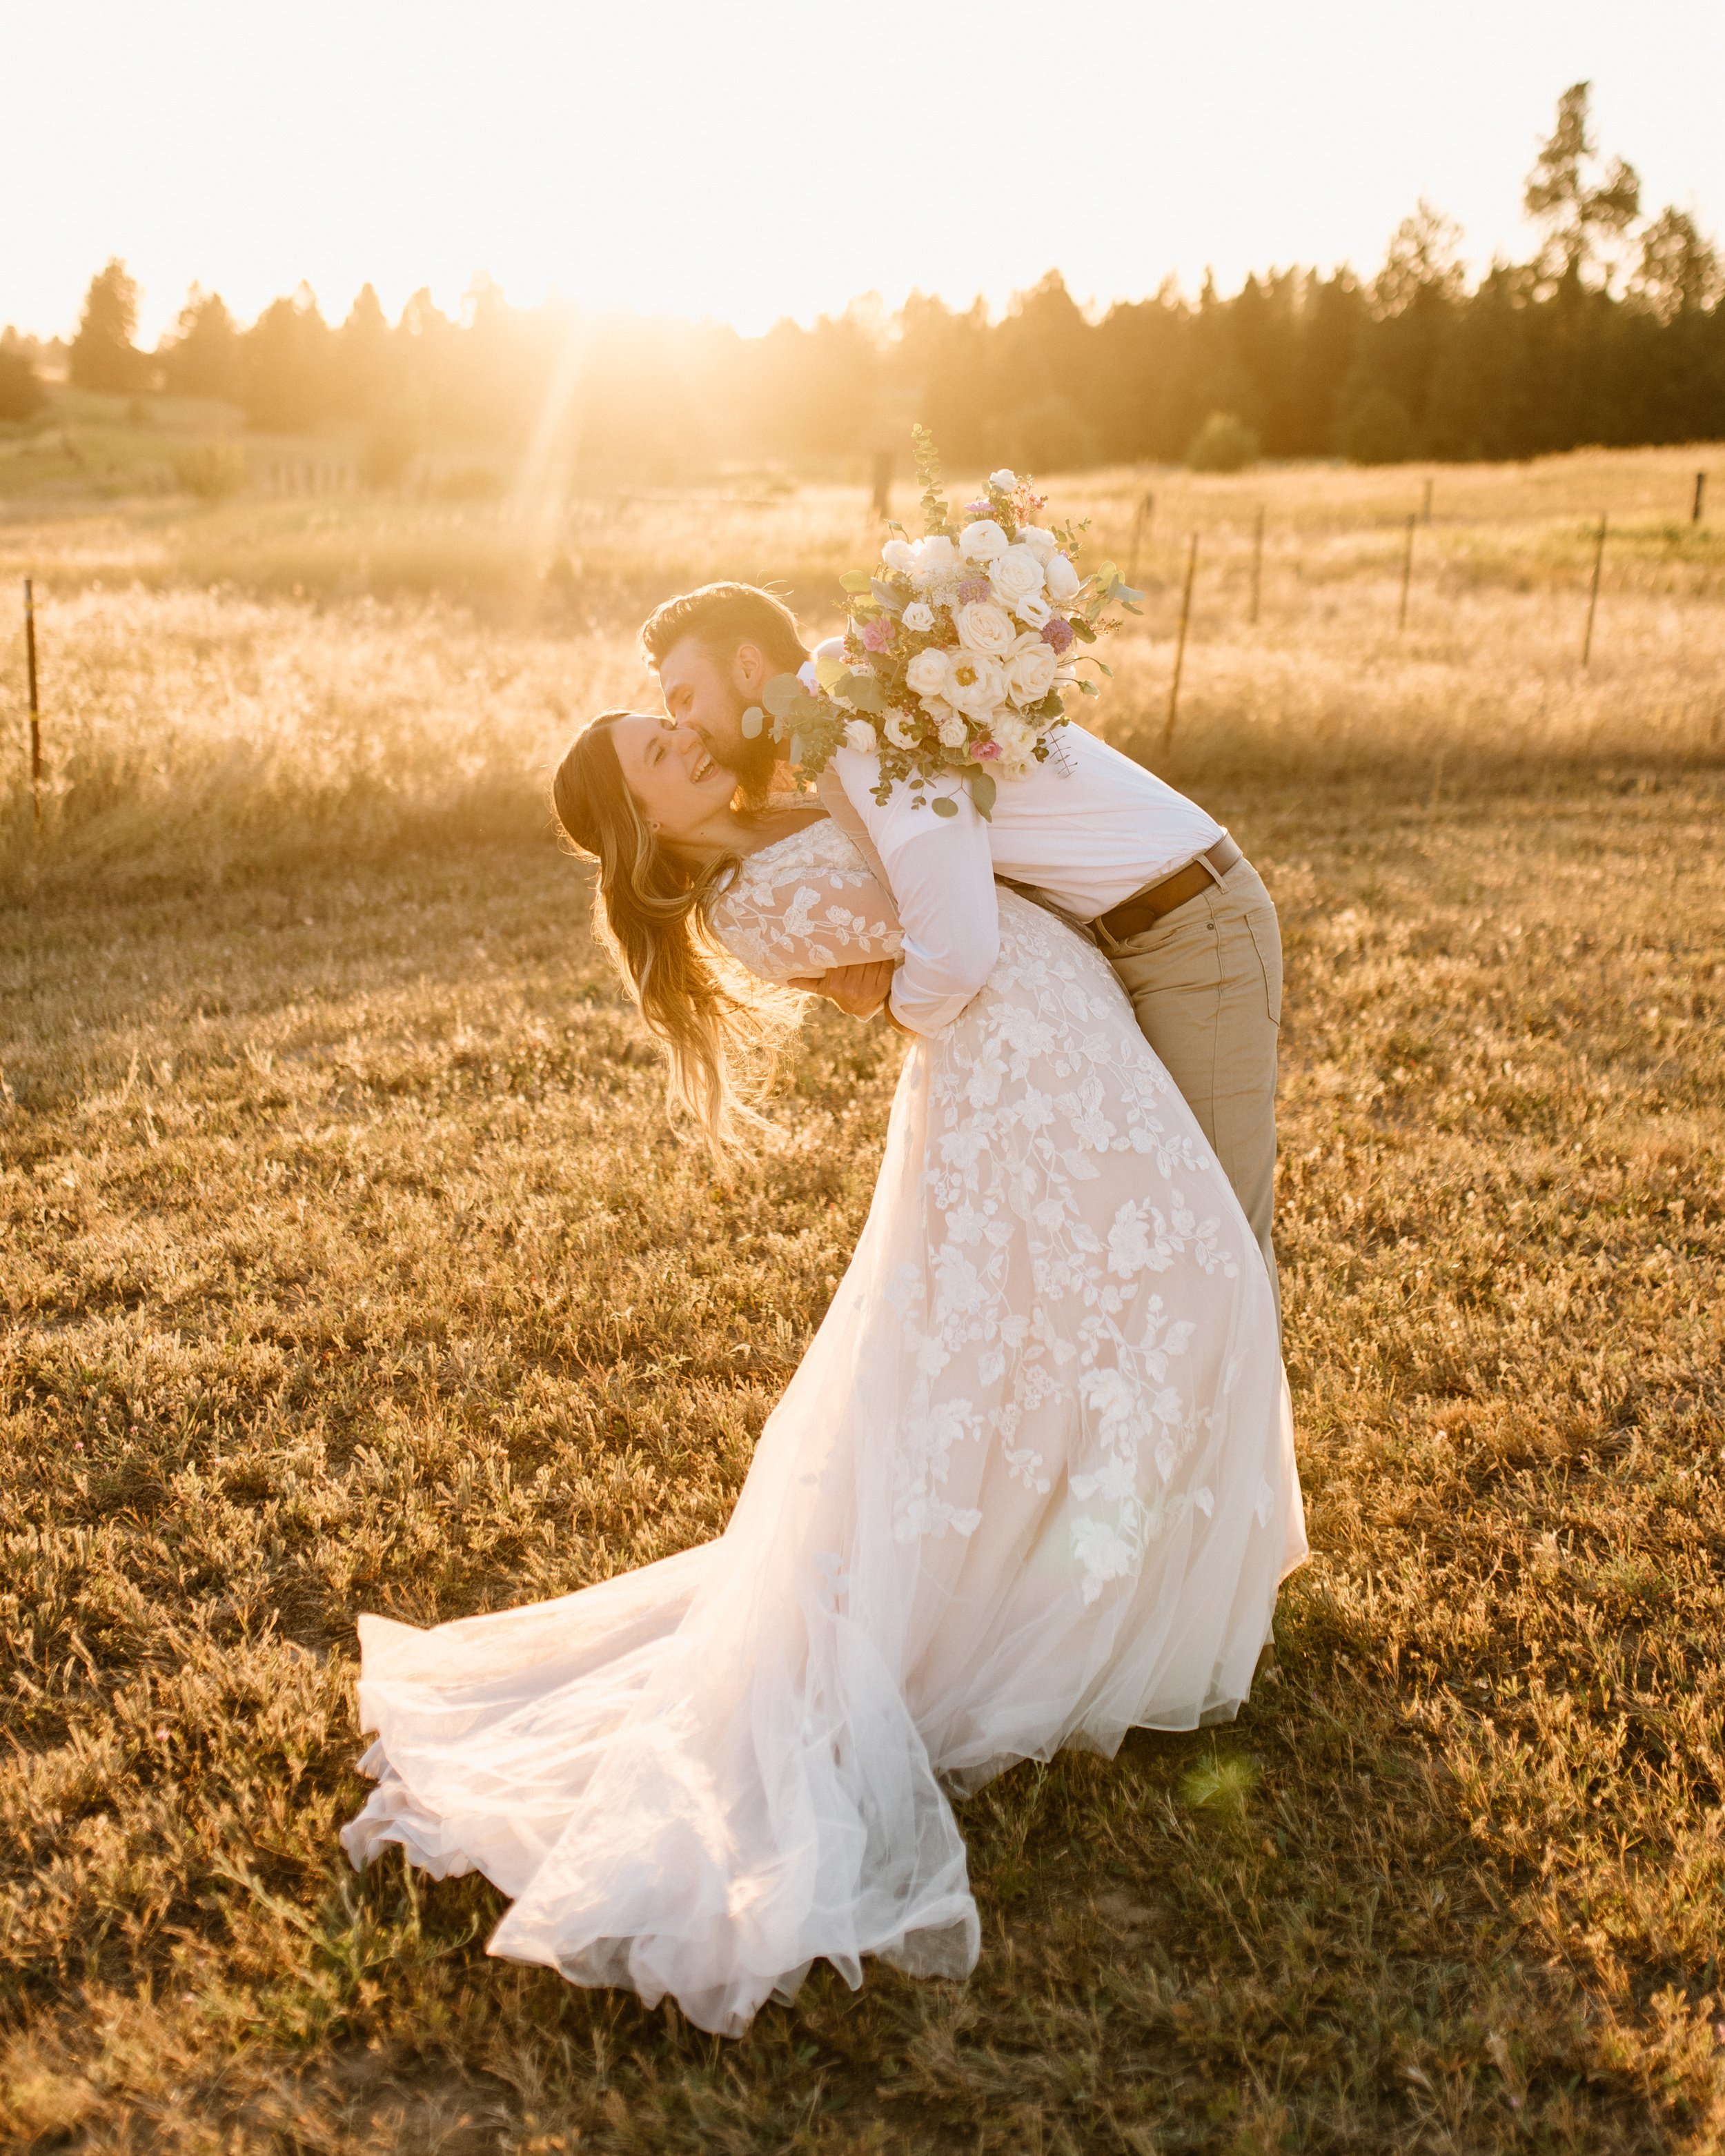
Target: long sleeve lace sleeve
(803, 905)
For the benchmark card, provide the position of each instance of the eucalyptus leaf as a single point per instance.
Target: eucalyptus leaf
(981, 792)
(942, 807)
(894, 602)
(829, 671)
(856, 580)
(780, 692)
(864, 690)
(753, 719)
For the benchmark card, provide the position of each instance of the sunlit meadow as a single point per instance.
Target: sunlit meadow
(348, 1263)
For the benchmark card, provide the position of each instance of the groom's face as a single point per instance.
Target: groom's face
(709, 693)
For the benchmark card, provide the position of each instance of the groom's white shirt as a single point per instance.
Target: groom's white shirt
(1089, 826)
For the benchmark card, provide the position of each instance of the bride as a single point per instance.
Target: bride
(1032, 1485)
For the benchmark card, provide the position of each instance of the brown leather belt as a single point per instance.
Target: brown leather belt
(1146, 907)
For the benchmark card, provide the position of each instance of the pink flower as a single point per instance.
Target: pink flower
(878, 633)
(983, 508)
(987, 752)
(1058, 633)
(974, 588)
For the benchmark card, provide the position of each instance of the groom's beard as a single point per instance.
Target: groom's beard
(752, 761)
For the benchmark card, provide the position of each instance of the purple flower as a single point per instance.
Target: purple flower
(1058, 634)
(878, 633)
(974, 588)
(983, 508)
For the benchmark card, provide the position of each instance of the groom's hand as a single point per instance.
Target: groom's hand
(860, 990)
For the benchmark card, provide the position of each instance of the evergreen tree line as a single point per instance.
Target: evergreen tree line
(1614, 333)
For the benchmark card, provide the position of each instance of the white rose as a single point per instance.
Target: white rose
(1015, 575)
(954, 733)
(899, 556)
(1005, 480)
(901, 729)
(984, 627)
(1030, 674)
(974, 682)
(936, 558)
(1061, 577)
(927, 673)
(1035, 611)
(1042, 544)
(918, 616)
(937, 709)
(860, 735)
(982, 541)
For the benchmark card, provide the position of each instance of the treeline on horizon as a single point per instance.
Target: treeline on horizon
(1613, 333)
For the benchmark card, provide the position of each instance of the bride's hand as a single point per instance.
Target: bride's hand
(860, 990)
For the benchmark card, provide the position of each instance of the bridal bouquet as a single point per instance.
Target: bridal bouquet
(957, 649)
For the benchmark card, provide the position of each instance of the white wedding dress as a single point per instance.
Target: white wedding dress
(1032, 1486)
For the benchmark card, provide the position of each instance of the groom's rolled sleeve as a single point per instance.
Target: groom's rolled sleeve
(942, 877)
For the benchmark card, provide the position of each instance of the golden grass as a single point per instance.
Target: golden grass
(347, 1265)
(271, 683)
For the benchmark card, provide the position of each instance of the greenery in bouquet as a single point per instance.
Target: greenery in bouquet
(959, 648)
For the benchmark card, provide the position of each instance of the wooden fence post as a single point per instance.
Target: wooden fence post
(1425, 506)
(1593, 596)
(1146, 510)
(1173, 693)
(1701, 496)
(880, 501)
(35, 705)
(1257, 562)
(1401, 618)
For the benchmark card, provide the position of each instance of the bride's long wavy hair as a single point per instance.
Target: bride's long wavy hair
(721, 1028)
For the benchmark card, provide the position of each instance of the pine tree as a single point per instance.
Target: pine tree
(103, 354)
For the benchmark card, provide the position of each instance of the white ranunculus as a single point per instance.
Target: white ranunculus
(918, 616)
(984, 627)
(982, 541)
(1042, 544)
(975, 683)
(936, 558)
(1005, 480)
(860, 735)
(1030, 674)
(1014, 575)
(901, 729)
(1035, 611)
(927, 673)
(954, 733)
(899, 556)
(1061, 577)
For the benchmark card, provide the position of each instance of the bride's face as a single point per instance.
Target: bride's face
(680, 788)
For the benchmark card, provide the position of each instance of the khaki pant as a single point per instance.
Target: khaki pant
(1205, 982)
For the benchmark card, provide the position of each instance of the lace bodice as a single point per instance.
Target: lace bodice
(805, 904)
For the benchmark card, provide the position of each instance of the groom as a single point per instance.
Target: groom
(1165, 894)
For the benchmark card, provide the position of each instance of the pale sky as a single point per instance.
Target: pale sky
(746, 159)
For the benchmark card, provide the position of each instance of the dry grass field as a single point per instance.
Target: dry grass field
(346, 1263)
